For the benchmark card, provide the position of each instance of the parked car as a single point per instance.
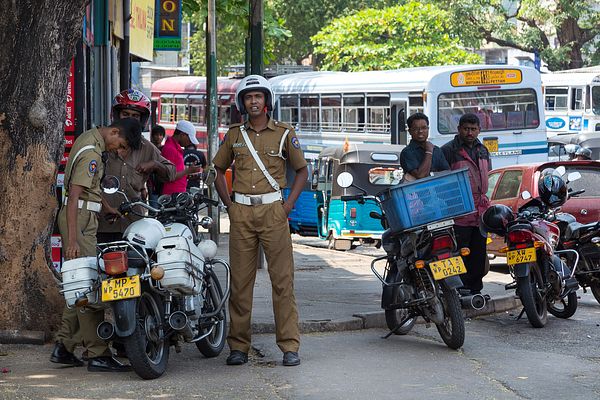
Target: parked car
(507, 183)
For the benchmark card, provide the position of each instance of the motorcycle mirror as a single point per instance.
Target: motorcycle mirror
(345, 180)
(560, 171)
(526, 195)
(211, 175)
(573, 176)
(110, 184)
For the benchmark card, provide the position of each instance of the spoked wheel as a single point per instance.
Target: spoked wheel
(595, 288)
(212, 345)
(452, 329)
(530, 289)
(565, 307)
(393, 319)
(146, 348)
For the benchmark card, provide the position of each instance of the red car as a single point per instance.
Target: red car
(506, 185)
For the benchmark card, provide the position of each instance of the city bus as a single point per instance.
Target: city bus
(572, 102)
(329, 108)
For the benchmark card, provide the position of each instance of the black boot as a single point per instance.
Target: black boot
(61, 355)
(106, 364)
(237, 357)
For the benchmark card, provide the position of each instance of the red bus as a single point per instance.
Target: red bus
(184, 98)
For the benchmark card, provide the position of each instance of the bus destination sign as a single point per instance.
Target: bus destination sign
(486, 77)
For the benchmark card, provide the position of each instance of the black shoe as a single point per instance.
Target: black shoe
(237, 357)
(291, 359)
(61, 355)
(106, 364)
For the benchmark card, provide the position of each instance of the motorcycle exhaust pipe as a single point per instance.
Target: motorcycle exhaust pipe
(105, 330)
(179, 322)
(476, 301)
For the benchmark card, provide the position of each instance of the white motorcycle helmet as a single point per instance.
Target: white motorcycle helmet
(146, 232)
(252, 83)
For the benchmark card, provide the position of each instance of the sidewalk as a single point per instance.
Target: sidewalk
(337, 290)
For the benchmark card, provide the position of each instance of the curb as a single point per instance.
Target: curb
(22, 337)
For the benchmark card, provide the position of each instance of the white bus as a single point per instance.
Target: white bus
(372, 107)
(572, 102)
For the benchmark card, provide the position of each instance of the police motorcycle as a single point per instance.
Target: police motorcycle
(544, 275)
(421, 272)
(161, 283)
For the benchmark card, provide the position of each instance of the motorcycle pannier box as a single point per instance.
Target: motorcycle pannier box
(424, 201)
(78, 275)
(182, 262)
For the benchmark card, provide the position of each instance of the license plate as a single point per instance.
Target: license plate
(521, 256)
(448, 267)
(121, 288)
(491, 145)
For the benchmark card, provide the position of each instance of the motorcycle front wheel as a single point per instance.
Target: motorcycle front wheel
(530, 291)
(393, 319)
(146, 348)
(564, 308)
(212, 345)
(452, 329)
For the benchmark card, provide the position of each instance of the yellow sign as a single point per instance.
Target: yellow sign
(491, 144)
(521, 256)
(121, 288)
(141, 28)
(448, 267)
(486, 77)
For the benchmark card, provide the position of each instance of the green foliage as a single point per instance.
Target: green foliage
(531, 25)
(410, 35)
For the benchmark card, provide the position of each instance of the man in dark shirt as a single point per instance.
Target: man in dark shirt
(194, 157)
(421, 157)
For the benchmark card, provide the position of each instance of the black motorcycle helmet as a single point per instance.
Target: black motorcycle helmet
(552, 190)
(496, 219)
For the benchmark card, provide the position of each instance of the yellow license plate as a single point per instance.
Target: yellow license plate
(448, 267)
(491, 145)
(121, 288)
(521, 256)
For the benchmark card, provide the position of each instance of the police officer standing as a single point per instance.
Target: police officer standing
(258, 215)
(78, 222)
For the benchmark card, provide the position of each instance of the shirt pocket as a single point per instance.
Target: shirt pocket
(242, 158)
(272, 160)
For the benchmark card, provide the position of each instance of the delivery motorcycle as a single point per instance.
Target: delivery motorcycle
(160, 282)
(421, 275)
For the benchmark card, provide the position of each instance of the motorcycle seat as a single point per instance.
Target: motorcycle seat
(575, 229)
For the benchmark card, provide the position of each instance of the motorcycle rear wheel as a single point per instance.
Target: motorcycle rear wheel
(569, 306)
(212, 345)
(595, 288)
(146, 348)
(394, 317)
(529, 288)
(452, 330)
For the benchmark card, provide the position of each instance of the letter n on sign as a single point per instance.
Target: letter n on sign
(167, 35)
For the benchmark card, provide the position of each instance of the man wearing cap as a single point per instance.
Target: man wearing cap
(183, 136)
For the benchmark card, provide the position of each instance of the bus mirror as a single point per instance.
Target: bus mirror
(345, 179)
(314, 180)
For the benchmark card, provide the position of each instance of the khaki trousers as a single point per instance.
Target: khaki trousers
(265, 224)
(79, 326)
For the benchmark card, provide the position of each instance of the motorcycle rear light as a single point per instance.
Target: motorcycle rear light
(115, 262)
(443, 256)
(519, 236)
(353, 212)
(443, 242)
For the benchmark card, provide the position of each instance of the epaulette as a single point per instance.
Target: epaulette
(283, 125)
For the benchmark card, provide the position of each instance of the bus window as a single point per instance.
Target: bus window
(496, 109)
(166, 109)
(556, 99)
(181, 106)
(576, 99)
(415, 104)
(354, 112)
(288, 109)
(596, 100)
(378, 113)
(331, 112)
(198, 109)
(309, 113)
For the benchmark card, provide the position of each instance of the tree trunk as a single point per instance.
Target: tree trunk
(38, 41)
(570, 34)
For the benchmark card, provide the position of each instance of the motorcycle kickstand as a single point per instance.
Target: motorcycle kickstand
(521, 314)
(393, 331)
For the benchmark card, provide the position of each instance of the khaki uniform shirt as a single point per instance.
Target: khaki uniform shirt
(132, 182)
(86, 169)
(249, 179)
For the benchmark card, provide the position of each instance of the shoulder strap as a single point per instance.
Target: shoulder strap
(283, 138)
(72, 163)
(262, 167)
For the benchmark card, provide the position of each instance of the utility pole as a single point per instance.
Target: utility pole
(211, 110)
(124, 76)
(256, 37)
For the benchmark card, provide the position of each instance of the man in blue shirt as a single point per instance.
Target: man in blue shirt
(421, 157)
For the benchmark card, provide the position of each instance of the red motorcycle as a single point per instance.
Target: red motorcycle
(543, 281)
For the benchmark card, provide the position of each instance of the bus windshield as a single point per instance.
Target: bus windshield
(498, 109)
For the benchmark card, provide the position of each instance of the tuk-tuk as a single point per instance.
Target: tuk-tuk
(303, 217)
(590, 141)
(375, 168)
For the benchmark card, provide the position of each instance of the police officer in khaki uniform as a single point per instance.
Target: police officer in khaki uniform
(78, 222)
(258, 215)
